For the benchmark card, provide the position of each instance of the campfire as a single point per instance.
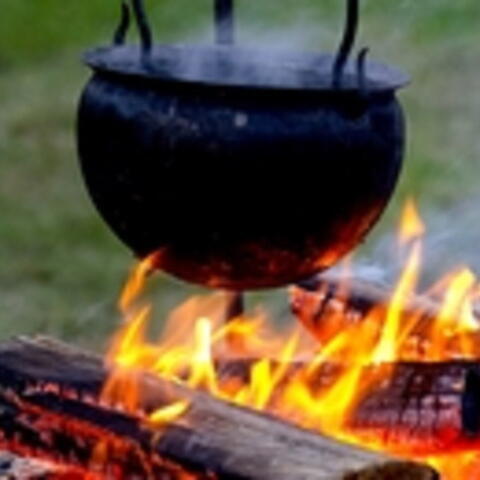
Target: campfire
(392, 371)
(367, 382)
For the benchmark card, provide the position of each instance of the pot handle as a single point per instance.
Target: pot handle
(346, 45)
(142, 22)
(225, 33)
(224, 24)
(225, 28)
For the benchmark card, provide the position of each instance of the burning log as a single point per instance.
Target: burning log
(425, 408)
(410, 406)
(13, 467)
(416, 406)
(359, 296)
(348, 300)
(49, 403)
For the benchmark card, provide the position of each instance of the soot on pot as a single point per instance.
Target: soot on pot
(239, 168)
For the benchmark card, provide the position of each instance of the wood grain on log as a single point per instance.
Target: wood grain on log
(427, 406)
(329, 303)
(211, 437)
(419, 406)
(416, 405)
(424, 407)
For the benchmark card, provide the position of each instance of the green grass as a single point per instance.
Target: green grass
(61, 269)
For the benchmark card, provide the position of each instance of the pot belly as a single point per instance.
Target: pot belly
(238, 188)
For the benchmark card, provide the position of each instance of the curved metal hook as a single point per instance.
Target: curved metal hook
(362, 70)
(143, 26)
(349, 35)
(122, 29)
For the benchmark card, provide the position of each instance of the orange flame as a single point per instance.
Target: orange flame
(196, 337)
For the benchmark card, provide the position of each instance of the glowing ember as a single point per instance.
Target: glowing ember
(196, 336)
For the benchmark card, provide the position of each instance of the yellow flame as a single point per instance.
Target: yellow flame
(411, 225)
(455, 319)
(136, 284)
(282, 369)
(203, 370)
(457, 466)
(388, 346)
(168, 414)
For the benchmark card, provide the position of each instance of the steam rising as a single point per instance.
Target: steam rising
(452, 241)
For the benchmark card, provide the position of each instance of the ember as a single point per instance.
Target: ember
(368, 384)
(167, 408)
(408, 385)
(403, 386)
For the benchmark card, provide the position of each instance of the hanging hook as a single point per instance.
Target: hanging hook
(362, 70)
(122, 29)
(224, 22)
(349, 35)
(143, 26)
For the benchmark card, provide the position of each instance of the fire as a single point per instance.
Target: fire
(386, 350)
(411, 225)
(196, 338)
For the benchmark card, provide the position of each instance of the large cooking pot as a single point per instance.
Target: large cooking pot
(240, 168)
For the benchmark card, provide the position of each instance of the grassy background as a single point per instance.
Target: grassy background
(60, 267)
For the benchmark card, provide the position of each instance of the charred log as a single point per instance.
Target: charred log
(410, 406)
(415, 405)
(50, 400)
(16, 468)
(423, 407)
(330, 302)
(427, 407)
(13, 467)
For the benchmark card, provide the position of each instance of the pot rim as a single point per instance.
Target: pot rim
(243, 67)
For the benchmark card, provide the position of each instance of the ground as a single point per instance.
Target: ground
(60, 267)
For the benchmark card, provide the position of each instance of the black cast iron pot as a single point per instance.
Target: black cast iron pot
(240, 168)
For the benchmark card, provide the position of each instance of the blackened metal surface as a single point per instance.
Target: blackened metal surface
(241, 67)
(238, 188)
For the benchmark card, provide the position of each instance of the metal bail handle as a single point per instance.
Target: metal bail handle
(224, 24)
(225, 34)
(346, 46)
(143, 26)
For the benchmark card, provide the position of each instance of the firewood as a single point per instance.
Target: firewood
(13, 467)
(16, 468)
(49, 398)
(431, 407)
(328, 302)
(428, 407)
(423, 407)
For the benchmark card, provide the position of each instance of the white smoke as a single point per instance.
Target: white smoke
(452, 241)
